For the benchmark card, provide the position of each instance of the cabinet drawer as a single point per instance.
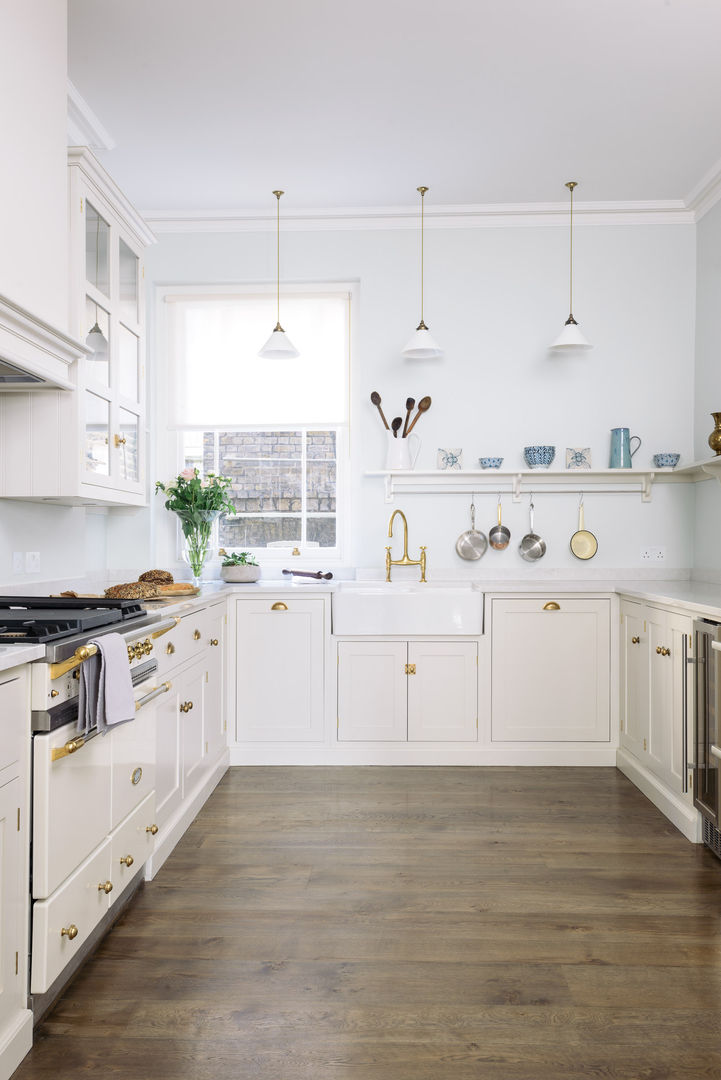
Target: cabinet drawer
(133, 756)
(132, 844)
(77, 906)
(189, 639)
(71, 805)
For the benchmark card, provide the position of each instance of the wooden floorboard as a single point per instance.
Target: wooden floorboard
(408, 924)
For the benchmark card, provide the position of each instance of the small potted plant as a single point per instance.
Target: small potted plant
(239, 566)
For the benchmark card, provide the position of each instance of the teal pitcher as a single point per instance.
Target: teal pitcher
(621, 452)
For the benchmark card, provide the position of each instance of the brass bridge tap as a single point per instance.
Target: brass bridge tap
(405, 561)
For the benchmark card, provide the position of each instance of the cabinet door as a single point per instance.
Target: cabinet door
(168, 765)
(550, 670)
(667, 679)
(13, 890)
(214, 698)
(192, 726)
(443, 691)
(279, 670)
(635, 688)
(133, 757)
(372, 691)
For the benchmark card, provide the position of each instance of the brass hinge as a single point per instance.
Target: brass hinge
(476, 723)
(225, 725)
(644, 744)
(17, 964)
(621, 618)
(18, 819)
(206, 748)
(226, 618)
(410, 669)
(206, 676)
(644, 626)
(81, 204)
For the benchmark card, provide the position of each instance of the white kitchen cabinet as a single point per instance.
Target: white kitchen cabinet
(216, 722)
(13, 893)
(656, 643)
(280, 650)
(168, 759)
(550, 670)
(89, 445)
(415, 691)
(191, 685)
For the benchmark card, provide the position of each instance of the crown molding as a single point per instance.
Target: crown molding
(79, 157)
(84, 128)
(706, 193)
(473, 216)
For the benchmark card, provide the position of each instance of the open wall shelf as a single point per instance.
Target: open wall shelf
(517, 483)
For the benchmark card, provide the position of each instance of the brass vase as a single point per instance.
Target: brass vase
(714, 439)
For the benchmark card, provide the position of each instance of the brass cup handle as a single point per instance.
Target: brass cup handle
(105, 886)
(551, 606)
(214, 641)
(279, 606)
(69, 932)
(635, 640)
(126, 860)
(152, 829)
(197, 635)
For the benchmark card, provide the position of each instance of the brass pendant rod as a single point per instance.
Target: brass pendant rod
(571, 185)
(423, 191)
(277, 231)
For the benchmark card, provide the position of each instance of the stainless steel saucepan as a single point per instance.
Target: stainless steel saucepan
(532, 547)
(499, 536)
(472, 544)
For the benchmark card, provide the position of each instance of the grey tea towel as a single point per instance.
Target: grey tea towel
(106, 689)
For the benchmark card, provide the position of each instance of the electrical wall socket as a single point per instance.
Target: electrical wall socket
(32, 562)
(653, 554)
(18, 562)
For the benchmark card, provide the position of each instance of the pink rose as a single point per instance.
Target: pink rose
(187, 474)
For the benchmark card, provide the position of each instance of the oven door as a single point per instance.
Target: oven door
(707, 756)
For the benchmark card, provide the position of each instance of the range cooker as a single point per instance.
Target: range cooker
(66, 626)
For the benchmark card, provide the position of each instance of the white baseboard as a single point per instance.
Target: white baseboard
(405, 754)
(174, 829)
(686, 819)
(15, 1041)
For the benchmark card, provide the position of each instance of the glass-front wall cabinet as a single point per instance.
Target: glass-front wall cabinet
(112, 398)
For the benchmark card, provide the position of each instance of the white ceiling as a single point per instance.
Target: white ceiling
(214, 104)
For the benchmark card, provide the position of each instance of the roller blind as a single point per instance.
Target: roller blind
(216, 379)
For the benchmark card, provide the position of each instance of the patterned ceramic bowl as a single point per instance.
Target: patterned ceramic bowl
(539, 457)
(490, 462)
(665, 461)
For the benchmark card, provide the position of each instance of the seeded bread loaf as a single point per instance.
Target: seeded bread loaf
(157, 577)
(133, 590)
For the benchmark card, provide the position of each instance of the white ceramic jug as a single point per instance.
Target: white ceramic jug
(400, 454)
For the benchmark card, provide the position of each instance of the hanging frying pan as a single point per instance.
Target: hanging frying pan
(584, 544)
(472, 544)
(532, 547)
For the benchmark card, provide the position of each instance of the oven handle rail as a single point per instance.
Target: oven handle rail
(73, 745)
(86, 651)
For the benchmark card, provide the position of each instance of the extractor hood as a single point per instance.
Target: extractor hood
(33, 354)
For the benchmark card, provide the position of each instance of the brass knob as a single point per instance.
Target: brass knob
(279, 606)
(54, 693)
(152, 829)
(186, 706)
(551, 606)
(70, 932)
(214, 641)
(126, 860)
(665, 652)
(74, 744)
(170, 648)
(119, 440)
(659, 650)
(138, 650)
(295, 551)
(147, 646)
(131, 653)
(196, 635)
(105, 886)
(635, 640)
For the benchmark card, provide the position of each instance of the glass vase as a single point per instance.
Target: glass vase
(197, 549)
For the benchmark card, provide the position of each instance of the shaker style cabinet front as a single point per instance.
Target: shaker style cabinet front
(407, 691)
(280, 649)
(656, 691)
(550, 670)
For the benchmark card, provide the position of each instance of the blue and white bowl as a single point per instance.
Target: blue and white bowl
(665, 461)
(539, 457)
(490, 462)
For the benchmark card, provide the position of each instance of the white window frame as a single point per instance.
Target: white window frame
(167, 452)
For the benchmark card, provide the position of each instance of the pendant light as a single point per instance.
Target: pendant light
(278, 346)
(96, 339)
(421, 345)
(571, 337)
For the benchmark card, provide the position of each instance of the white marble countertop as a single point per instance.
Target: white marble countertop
(13, 655)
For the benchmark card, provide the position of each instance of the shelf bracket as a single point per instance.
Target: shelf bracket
(517, 480)
(647, 485)
(389, 487)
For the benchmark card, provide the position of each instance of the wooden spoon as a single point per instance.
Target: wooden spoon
(423, 406)
(395, 424)
(376, 400)
(410, 402)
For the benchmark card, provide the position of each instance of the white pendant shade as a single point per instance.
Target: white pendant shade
(278, 347)
(97, 341)
(422, 346)
(571, 338)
